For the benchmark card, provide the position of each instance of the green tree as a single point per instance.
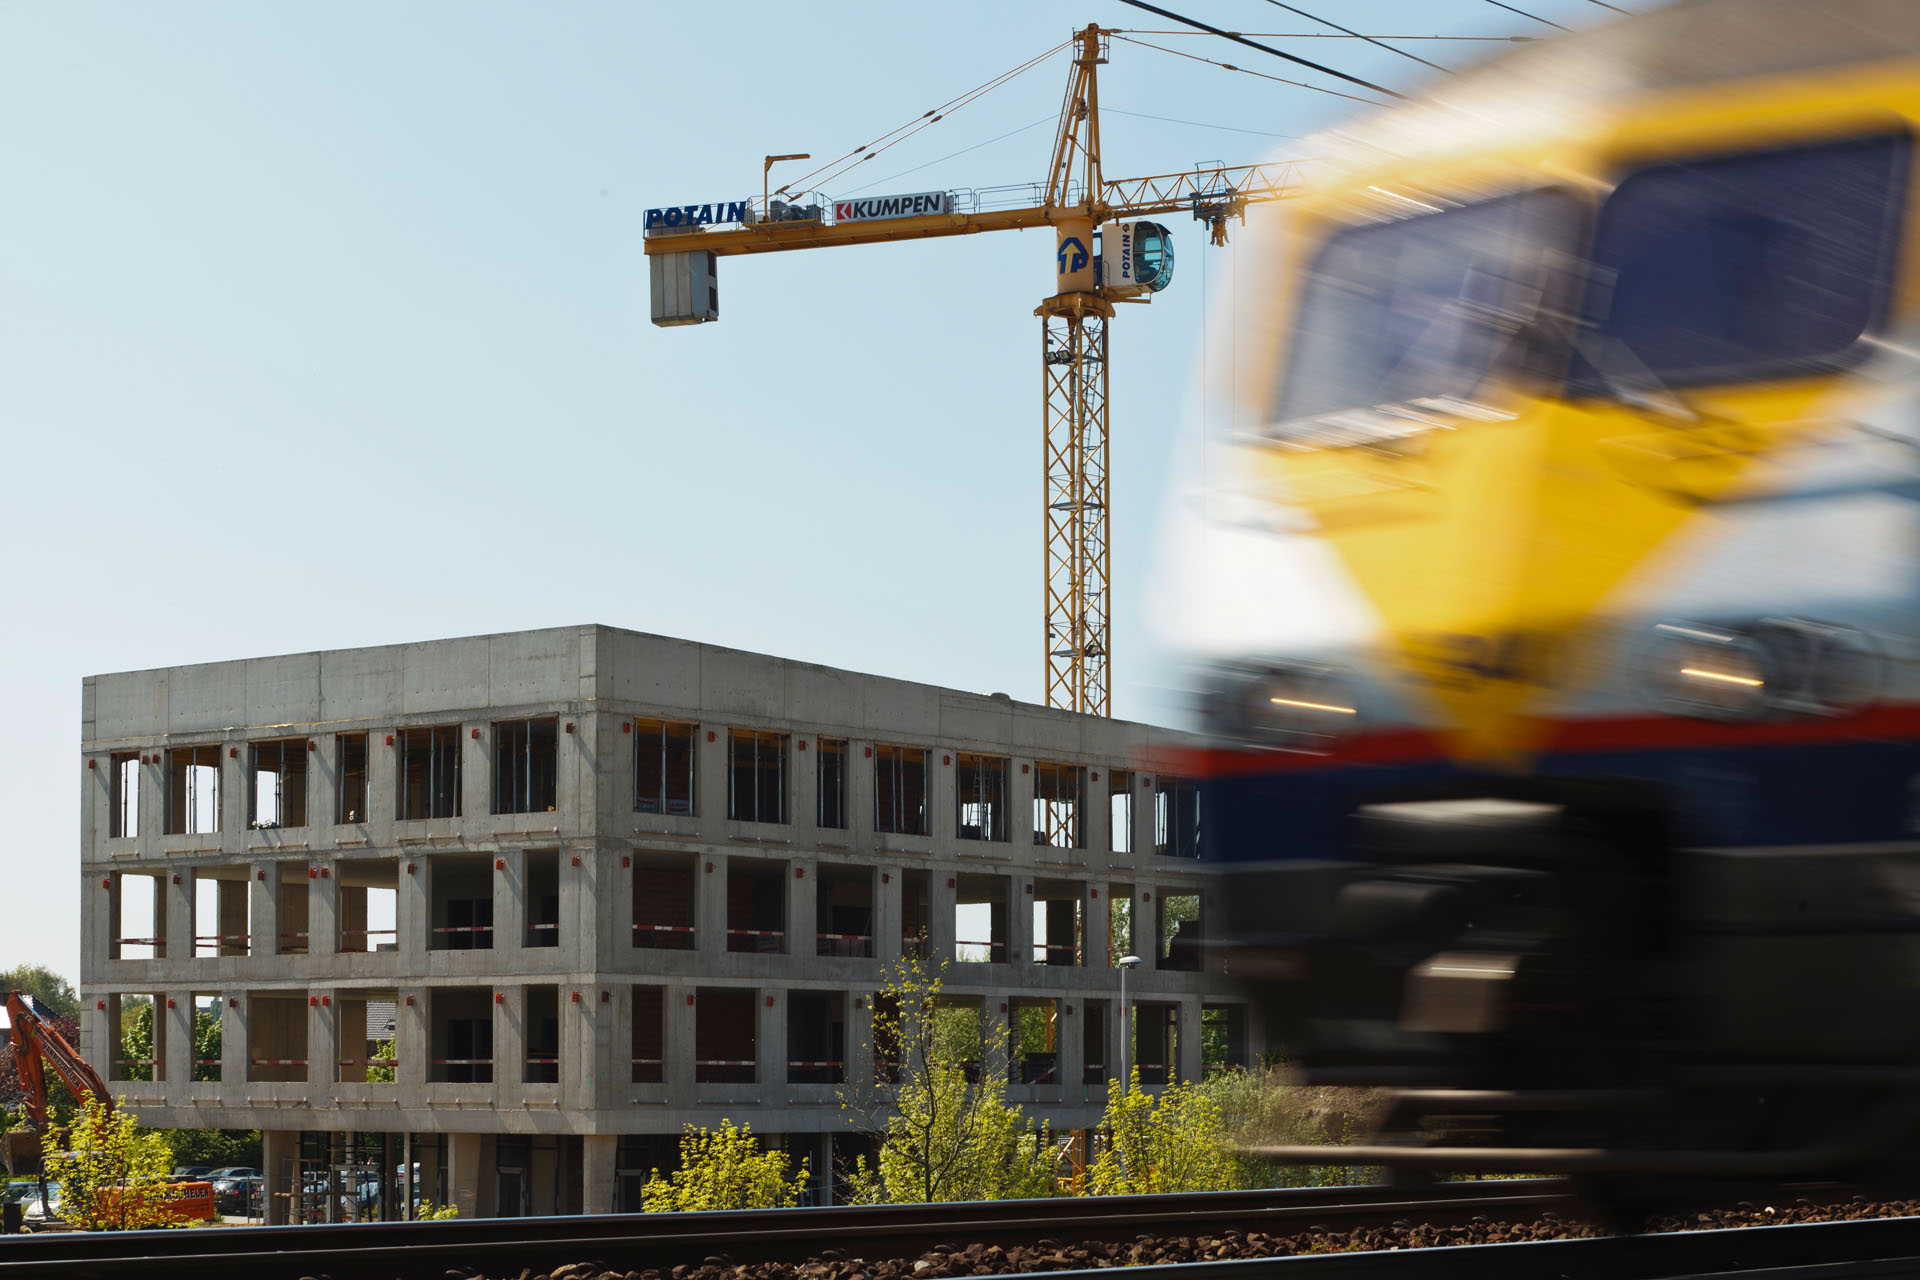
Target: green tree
(136, 1040)
(111, 1172)
(1177, 1142)
(53, 992)
(206, 1046)
(938, 1108)
(381, 1070)
(724, 1170)
(216, 1147)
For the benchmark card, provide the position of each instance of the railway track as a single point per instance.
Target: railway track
(504, 1247)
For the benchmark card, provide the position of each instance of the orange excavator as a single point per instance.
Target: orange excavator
(36, 1046)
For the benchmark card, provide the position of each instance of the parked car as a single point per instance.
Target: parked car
(37, 1210)
(236, 1189)
(192, 1172)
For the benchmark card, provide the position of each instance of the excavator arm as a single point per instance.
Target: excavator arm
(36, 1046)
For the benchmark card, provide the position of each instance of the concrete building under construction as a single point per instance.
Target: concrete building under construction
(504, 913)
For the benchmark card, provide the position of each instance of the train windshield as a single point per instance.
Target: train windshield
(1423, 306)
(1734, 268)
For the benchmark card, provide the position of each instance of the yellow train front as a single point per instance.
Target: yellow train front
(1558, 661)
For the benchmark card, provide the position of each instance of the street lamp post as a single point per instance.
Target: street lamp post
(1125, 963)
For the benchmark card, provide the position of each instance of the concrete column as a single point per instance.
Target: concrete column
(476, 776)
(1020, 920)
(592, 1062)
(323, 783)
(233, 795)
(770, 1046)
(1096, 816)
(323, 912)
(1187, 1038)
(510, 901)
(510, 1045)
(323, 1047)
(413, 910)
(803, 907)
(678, 1049)
(263, 910)
(584, 922)
(1146, 927)
(803, 791)
(886, 914)
(177, 888)
(859, 832)
(233, 1050)
(1020, 802)
(710, 901)
(710, 781)
(463, 1173)
(1143, 820)
(942, 802)
(1070, 1052)
(942, 899)
(350, 1040)
(279, 1172)
(177, 1036)
(412, 1046)
(111, 891)
(596, 1171)
(859, 1066)
(1093, 928)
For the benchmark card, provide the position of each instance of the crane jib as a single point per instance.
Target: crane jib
(921, 204)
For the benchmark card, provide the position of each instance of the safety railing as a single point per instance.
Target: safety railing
(649, 1070)
(762, 941)
(444, 934)
(1093, 1073)
(293, 944)
(543, 1070)
(208, 946)
(462, 1070)
(966, 951)
(664, 937)
(723, 1070)
(1037, 1068)
(159, 946)
(151, 1065)
(815, 1071)
(858, 946)
(391, 1064)
(1061, 953)
(365, 939)
(543, 935)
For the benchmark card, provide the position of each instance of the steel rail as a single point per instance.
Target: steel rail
(382, 1251)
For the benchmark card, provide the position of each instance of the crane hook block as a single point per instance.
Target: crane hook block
(1135, 258)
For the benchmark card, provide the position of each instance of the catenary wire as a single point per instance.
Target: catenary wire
(1500, 4)
(1228, 66)
(1279, 4)
(1198, 124)
(1604, 5)
(975, 147)
(1254, 44)
(1323, 35)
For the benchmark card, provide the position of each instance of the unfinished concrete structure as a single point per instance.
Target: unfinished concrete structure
(514, 909)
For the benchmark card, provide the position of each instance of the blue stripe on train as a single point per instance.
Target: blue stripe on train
(1825, 793)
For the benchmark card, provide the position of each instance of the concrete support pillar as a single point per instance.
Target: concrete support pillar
(1096, 815)
(263, 910)
(1187, 1038)
(1020, 920)
(1093, 929)
(413, 910)
(803, 908)
(113, 931)
(859, 1064)
(1070, 1041)
(596, 1171)
(710, 783)
(679, 1045)
(233, 1049)
(1146, 928)
(323, 782)
(412, 1046)
(323, 1046)
(770, 1047)
(510, 1045)
(886, 915)
(177, 889)
(510, 900)
(476, 774)
(350, 1040)
(463, 1173)
(280, 1173)
(710, 901)
(323, 913)
(943, 899)
(1020, 801)
(174, 1030)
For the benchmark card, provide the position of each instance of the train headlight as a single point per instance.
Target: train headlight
(1288, 707)
(1774, 667)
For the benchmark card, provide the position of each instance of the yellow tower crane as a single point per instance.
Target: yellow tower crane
(1131, 260)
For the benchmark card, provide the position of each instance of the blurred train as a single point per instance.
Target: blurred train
(1562, 702)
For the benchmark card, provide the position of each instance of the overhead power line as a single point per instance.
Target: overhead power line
(1198, 124)
(1369, 39)
(1604, 5)
(1254, 44)
(1249, 71)
(1325, 35)
(1498, 4)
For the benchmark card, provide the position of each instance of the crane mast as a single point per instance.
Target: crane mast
(1103, 255)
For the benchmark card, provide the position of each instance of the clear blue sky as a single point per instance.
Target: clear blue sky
(327, 325)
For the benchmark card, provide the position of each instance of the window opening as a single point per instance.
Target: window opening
(525, 765)
(460, 1035)
(1156, 1045)
(663, 767)
(1180, 931)
(816, 1037)
(207, 1038)
(276, 1039)
(1058, 794)
(462, 902)
(1056, 922)
(756, 776)
(366, 1022)
(369, 902)
(124, 801)
(140, 916)
(1176, 817)
(843, 912)
(959, 1034)
(294, 910)
(1096, 1030)
(830, 766)
(1120, 810)
(222, 918)
(756, 906)
(649, 1035)
(350, 752)
(1035, 1035)
(980, 796)
(193, 790)
(543, 1035)
(725, 1040)
(429, 773)
(140, 1041)
(1119, 923)
(542, 871)
(1223, 1037)
(900, 790)
(663, 901)
(277, 790)
(916, 913)
(980, 920)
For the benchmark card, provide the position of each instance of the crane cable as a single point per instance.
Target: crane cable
(900, 133)
(1228, 66)
(1254, 44)
(1369, 39)
(1498, 4)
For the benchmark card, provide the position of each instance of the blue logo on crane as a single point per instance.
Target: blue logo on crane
(1073, 255)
